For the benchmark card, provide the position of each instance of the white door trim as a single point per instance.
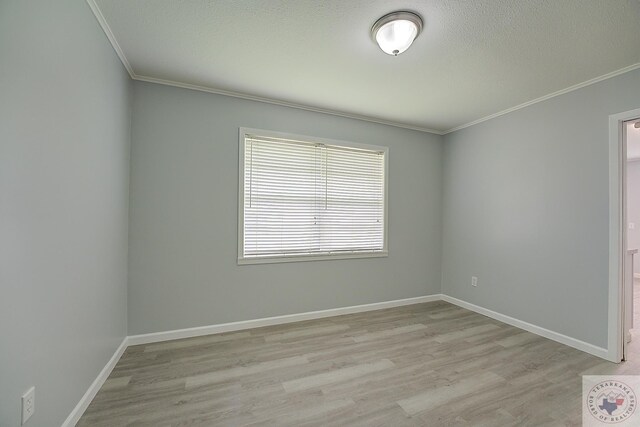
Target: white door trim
(617, 215)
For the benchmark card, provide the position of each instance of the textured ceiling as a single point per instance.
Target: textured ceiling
(474, 58)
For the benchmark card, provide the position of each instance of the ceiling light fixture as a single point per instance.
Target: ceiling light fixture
(395, 31)
(637, 125)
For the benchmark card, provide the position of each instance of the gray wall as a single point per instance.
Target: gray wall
(64, 150)
(633, 210)
(183, 268)
(526, 210)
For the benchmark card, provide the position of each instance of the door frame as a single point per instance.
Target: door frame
(617, 230)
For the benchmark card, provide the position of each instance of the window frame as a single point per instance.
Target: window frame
(242, 260)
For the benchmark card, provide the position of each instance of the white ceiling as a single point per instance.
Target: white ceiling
(633, 142)
(475, 58)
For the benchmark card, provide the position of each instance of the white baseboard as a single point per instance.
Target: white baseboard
(95, 386)
(555, 336)
(276, 320)
(77, 412)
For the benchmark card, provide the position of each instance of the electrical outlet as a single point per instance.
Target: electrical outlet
(474, 281)
(632, 226)
(28, 404)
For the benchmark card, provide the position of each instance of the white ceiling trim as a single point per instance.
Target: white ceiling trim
(283, 103)
(549, 96)
(112, 39)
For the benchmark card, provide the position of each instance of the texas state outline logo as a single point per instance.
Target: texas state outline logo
(610, 400)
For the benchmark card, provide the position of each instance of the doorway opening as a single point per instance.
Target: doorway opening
(631, 232)
(620, 261)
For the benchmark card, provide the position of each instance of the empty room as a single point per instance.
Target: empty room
(319, 213)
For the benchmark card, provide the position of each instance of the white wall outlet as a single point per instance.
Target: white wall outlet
(28, 404)
(474, 281)
(632, 226)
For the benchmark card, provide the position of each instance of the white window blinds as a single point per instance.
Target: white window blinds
(311, 199)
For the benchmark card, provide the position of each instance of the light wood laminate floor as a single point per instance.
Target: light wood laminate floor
(432, 364)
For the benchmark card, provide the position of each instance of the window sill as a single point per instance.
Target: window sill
(302, 258)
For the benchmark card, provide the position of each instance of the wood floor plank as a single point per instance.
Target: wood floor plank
(303, 333)
(466, 332)
(196, 341)
(337, 375)
(444, 395)
(116, 383)
(518, 339)
(390, 332)
(219, 376)
(315, 412)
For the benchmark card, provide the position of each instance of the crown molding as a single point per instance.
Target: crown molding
(282, 103)
(112, 38)
(549, 96)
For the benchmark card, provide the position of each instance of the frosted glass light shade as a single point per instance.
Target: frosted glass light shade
(396, 31)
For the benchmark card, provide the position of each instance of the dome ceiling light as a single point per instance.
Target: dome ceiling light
(395, 31)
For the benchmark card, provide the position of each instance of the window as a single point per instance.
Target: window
(304, 198)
